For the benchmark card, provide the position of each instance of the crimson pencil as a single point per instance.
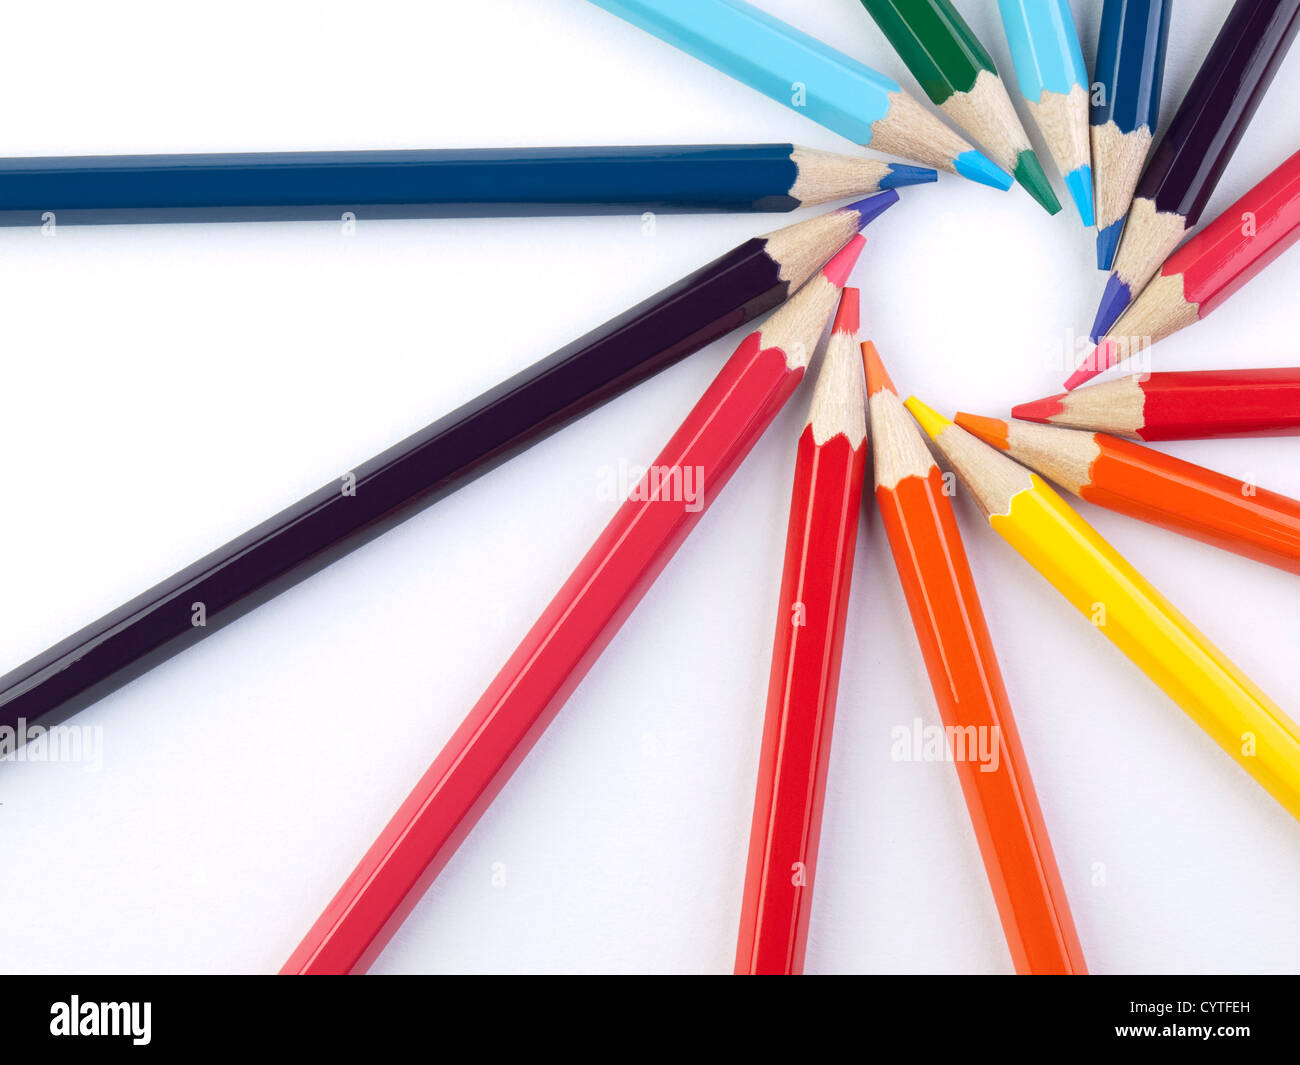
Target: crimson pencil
(1210, 267)
(1179, 405)
(963, 668)
(820, 541)
(1151, 486)
(580, 621)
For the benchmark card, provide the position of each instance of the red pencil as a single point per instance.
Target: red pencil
(1206, 270)
(1180, 405)
(967, 683)
(820, 540)
(580, 621)
(1151, 486)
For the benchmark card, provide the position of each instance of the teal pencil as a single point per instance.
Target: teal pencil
(1054, 82)
(811, 77)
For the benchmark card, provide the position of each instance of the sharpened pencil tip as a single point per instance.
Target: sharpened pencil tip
(873, 206)
(1114, 300)
(1039, 410)
(1029, 172)
(878, 379)
(1103, 357)
(838, 269)
(930, 420)
(1108, 244)
(847, 317)
(901, 175)
(975, 166)
(990, 430)
(1079, 182)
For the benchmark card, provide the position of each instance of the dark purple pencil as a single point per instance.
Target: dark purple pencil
(1187, 164)
(301, 540)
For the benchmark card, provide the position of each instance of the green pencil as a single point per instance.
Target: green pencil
(958, 75)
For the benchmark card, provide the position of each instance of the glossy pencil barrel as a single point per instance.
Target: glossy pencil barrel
(968, 687)
(309, 535)
(477, 182)
(1214, 692)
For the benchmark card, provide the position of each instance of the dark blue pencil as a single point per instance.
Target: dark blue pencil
(1126, 84)
(441, 183)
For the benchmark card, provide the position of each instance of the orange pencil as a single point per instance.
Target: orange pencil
(1154, 487)
(967, 683)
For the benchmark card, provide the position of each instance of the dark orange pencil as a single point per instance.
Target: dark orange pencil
(1154, 487)
(968, 687)
(824, 512)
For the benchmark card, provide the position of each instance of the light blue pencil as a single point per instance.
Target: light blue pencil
(1049, 67)
(809, 76)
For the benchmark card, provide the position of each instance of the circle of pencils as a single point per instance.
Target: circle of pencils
(1209, 268)
(1146, 484)
(1179, 405)
(830, 462)
(840, 93)
(1143, 202)
(575, 628)
(1054, 82)
(1186, 166)
(958, 75)
(958, 649)
(1127, 78)
(1102, 585)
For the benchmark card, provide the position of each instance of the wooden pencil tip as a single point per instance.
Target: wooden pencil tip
(930, 420)
(991, 430)
(1039, 410)
(847, 318)
(878, 379)
(838, 269)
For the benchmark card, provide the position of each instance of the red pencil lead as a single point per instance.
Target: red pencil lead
(847, 318)
(838, 269)
(1039, 410)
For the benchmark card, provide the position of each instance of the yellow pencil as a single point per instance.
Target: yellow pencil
(1136, 618)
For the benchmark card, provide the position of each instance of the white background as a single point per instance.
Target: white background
(167, 387)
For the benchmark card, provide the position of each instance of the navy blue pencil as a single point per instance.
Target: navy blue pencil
(438, 183)
(1127, 79)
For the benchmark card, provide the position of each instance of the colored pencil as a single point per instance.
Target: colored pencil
(809, 76)
(830, 462)
(1186, 166)
(1127, 80)
(958, 75)
(1189, 405)
(1209, 268)
(433, 462)
(580, 621)
(963, 668)
(462, 183)
(1159, 489)
(1054, 82)
(1126, 609)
